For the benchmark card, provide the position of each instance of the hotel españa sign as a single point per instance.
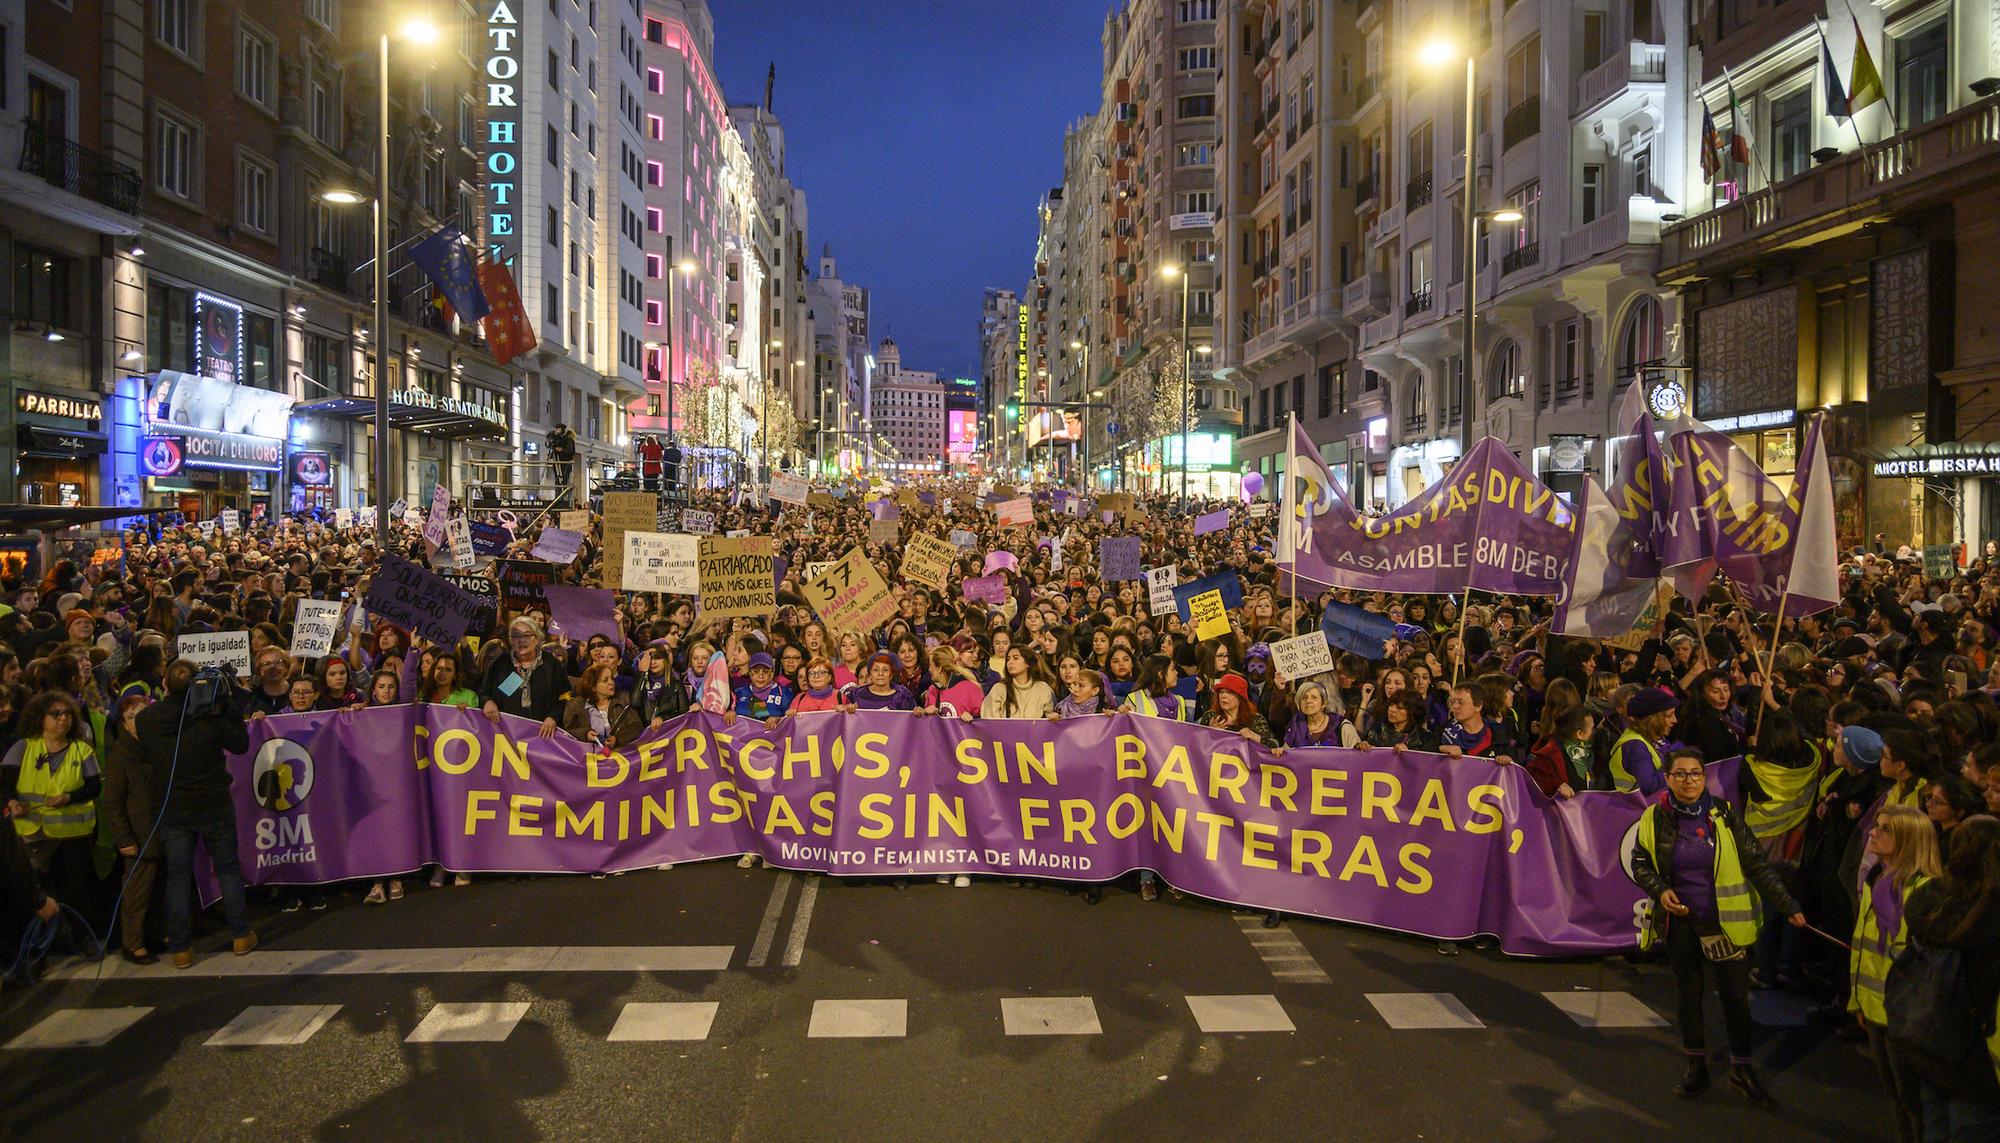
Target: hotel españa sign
(503, 131)
(1021, 358)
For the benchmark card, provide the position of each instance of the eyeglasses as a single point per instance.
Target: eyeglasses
(1686, 775)
(61, 714)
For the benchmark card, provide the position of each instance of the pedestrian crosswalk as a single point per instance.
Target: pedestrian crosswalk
(289, 1025)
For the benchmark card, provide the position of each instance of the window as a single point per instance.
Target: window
(1642, 341)
(552, 307)
(468, 124)
(1524, 72)
(1504, 377)
(1791, 133)
(43, 283)
(1195, 107)
(175, 155)
(1306, 191)
(552, 145)
(1193, 154)
(1195, 59)
(1422, 271)
(176, 24)
(656, 127)
(656, 175)
(254, 183)
(656, 81)
(1326, 390)
(1593, 191)
(1527, 232)
(1642, 171)
(1921, 65)
(323, 107)
(255, 57)
(555, 226)
(1194, 11)
(321, 12)
(1194, 202)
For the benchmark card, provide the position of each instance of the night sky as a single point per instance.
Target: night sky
(923, 133)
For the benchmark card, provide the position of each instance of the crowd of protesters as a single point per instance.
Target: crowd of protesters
(1869, 735)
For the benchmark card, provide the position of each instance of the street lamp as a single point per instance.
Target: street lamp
(417, 30)
(1170, 272)
(1438, 54)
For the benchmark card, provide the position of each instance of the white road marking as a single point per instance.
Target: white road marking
(1281, 951)
(1412, 1010)
(273, 1025)
(1240, 1014)
(680, 1020)
(840, 1019)
(795, 946)
(377, 962)
(77, 1028)
(1605, 1009)
(1049, 1016)
(467, 1023)
(767, 930)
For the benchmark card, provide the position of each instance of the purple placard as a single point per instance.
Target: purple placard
(577, 613)
(1214, 521)
(1443, 848)
(557, 546)
(997, 560)
(986, 589)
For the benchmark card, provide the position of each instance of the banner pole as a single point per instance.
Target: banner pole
(1770, 659)
(1464, 613)
(1288, 505)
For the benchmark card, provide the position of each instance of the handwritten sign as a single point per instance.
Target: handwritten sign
(522, 581)
(484, 592)
(1261, 508)
(698, 523)
(434, 527)
(573, 519)
(1209, 615)
(228, 647)
(1303, 656)
(1118, 559)
(657, 562)
(986, 589)
(735, 576)
(964, 539)
(232, 522)
(927, 560)
(577, 613)
(851, 595)
(558, 546)
(625, 512)
(315, 627)
(1160, 584)
(789, 489)
(1016, 513)
(420, 600)
(884, 531)
(489, 540)
(343, 517)
(814, 567)
(1214, 521)
(460, 533)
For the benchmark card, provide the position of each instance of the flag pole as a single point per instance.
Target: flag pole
(1826, 53)
(1464, 613)
(1737, 112)
(1770, 658)
(1289, 505)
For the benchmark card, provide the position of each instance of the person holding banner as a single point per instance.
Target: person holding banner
(660, 692)
(526, 681)
(881, 691)
(599, 713)
(1023, 690)
(1399, 721)
(1907, 847)
(1705, 871)
(819, 692)
(1154, 696)
(954, 692)
(1233, 711)
(1315, 724)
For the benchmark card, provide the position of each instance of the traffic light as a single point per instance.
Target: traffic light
(1013, 411)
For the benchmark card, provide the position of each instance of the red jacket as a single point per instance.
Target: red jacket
(1547, 766)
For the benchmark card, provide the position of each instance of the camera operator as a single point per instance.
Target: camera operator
(187, 738)
(21, 896)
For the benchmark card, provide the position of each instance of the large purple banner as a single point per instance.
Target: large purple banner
(1412, 842)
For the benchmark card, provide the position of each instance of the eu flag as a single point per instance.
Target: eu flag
(443, 257)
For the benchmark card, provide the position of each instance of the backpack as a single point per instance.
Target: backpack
(1932, 1022)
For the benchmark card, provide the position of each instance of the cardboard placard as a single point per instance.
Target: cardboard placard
(884, 531)
(1302, 656)
(557, 545)
(735, 576)
(521, 583)
(459, 532)
(1160, 583)
(927, 560)
(420, 600)
(698, 523)
(434, 527)
(573, 519)
(232, 521)
(624, 513)
(1214, 521)
(1118, 559)
(789, 489)
(1016, 513)
(315, 627)
(657, 562)
(205, 647)
(986, 589)
(1209, 615)
(852, 595)
(964, 539)
(819, 500)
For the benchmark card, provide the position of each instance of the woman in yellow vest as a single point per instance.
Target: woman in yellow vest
(1698, 863)
(1906, 846)
(1154, 695)
(1636, 761)
(49, 781)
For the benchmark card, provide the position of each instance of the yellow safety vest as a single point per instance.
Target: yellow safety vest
(1736, 905)
(1139, 702)
(1789, 793)
(1621, 778)
(1874, 951)
(38, 785)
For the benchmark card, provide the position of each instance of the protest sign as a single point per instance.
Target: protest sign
(1160, 583)
(343, 517)
(522, 581)
(819, 500)
(315, 627)
(399, 509)
(490, 540)
(557, 545)
(1225, 582)
(789, 489)
(815, 567)
(1056, 553)
(698, 523)
(962, 538)
(228, 647)
(419, 600)
(995, 561)
(1938, 561)
(573, 519)
(232, 521)
(577, 613)
(1016, 513)
(1118, 559)
(1648, 620)
(625, 512)
(434, 527)
(460, 534)
(207, 528)
(851, 595)
(657, 562)
(737, 533)
(1260, 509)
(927, 560)
(986, 589)
(667, 520)
(1214, 521)
(1448, 849)
(1209, 615)
(1302, 656)
(484, 592)
(735, 576)
(884, 531)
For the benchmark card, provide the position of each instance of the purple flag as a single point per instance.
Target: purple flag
(1214, 521)
(580, 612)
(1724, 515)
(1488, 525)
(1446, 849)
(1614, 556)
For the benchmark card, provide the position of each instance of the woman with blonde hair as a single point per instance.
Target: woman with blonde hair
(1907, 847)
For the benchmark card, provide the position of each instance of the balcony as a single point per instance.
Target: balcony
(1633, 222)
(1380, 331)
(1366, 296)
(1365, 92)
(1310, 318)
(1418, 302)
(78, 170)
(1364, 191)
(1520, 258)
(1639, 63)
(1414, 424)
(1523, 122)
(327, 270)
(1418, 192)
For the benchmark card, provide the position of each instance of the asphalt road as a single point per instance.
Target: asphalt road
(998, 1012)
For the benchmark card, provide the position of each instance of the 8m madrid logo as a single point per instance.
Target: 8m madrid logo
(282, 777)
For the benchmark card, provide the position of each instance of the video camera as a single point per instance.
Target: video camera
(212, 691)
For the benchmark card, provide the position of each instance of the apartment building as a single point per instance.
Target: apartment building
(909, 411)
(777, 367)
(1841, 267)
(1000, 345)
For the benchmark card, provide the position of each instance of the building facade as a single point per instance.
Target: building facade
(908, 410)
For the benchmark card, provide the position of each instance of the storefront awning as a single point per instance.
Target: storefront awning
(438, 421)
(1950, 458)
(17, 518)
(64, 444)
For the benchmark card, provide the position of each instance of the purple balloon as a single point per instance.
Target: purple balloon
(1253, 483)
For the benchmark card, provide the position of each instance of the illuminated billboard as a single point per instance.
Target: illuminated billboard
(1053, 425)
(961, 432)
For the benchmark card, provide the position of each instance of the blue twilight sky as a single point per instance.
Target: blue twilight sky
(923, 133)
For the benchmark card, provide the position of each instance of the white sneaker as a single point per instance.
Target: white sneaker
(962, 881)
(943, 879)
(664, 865)
(747, 861)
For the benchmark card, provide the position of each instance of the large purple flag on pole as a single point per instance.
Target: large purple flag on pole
(1724, 515)
(1614, 556)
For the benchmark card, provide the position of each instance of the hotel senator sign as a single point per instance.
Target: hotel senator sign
(503, 130)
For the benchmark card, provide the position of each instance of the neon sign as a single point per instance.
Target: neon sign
(503, 126)
(1021, 363)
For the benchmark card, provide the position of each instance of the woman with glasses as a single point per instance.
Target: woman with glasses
(525, 682)
(1698, 862)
